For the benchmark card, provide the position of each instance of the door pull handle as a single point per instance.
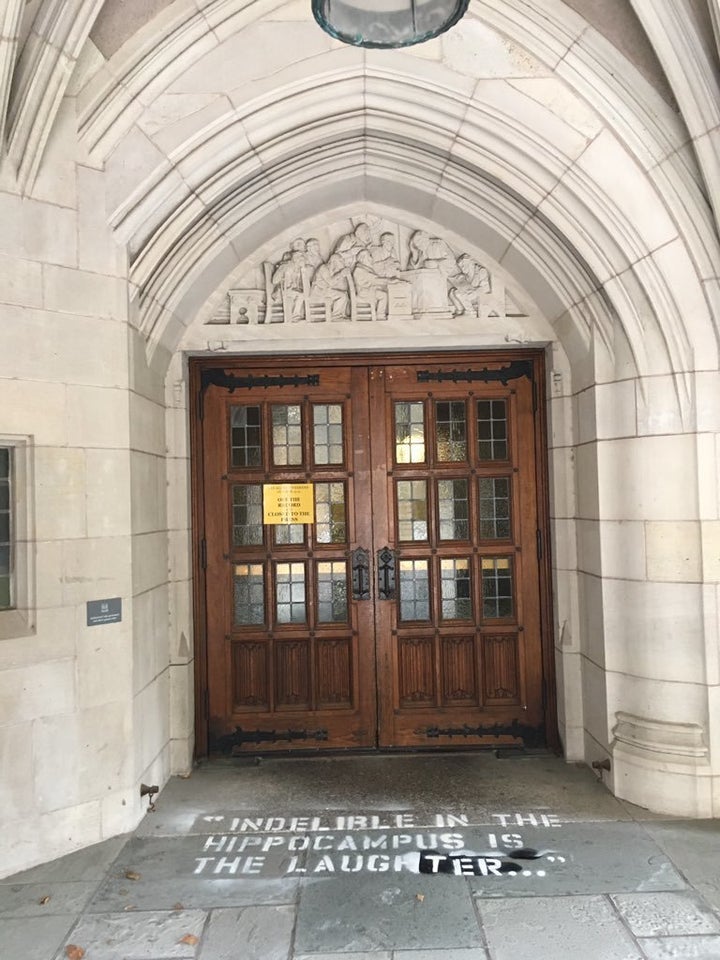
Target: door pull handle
(360, 565)
(386, 573)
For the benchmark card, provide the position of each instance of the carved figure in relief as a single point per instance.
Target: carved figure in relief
(471, 280)
(371, 281)
(287, 281)
(313, 257)
(384, 256)
(428, 252)
(350, 246)
(331, 285)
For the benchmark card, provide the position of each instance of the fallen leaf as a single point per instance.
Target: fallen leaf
(129, 907)
(190, 939)
(44, 901)
(178, 906)
(131, 875)
(420, 897)
(74, 953)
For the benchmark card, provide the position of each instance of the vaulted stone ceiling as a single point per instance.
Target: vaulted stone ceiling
(575, 140)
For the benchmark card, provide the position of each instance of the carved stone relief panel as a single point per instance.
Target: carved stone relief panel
(366, 270)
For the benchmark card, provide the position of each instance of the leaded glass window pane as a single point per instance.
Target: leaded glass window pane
(414, 590)
(455, 589)
(246, 436)
(6, 552)
(451, 430)
(328, 433)
(247, 510)
(287, 435)
(249, 594)
(330, 522)
(497, 587)
(453, 509)
(286, 533)
(409, 432)
(495, 508)
(332, 591)
(492, 430)
(412, 509)
(290, 606)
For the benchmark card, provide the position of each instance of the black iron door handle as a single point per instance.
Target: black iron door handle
(386, 573)
(360, 574)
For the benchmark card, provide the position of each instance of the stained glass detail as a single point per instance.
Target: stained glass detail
(5, 529)
(332, 591)
(330, 521)
(246, 436)
(453, 509)
(288, 533)
(249, 594)
(247, 509)
(455, 589)
(492, 430)
(497, 587)
(414, 590)
(287, 435)
(290, 606)
(494, 508)
(412, 509)
(451, 430)
(409, 432)
(328, 433)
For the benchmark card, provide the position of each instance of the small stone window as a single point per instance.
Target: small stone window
(6, 529)
(17, 574)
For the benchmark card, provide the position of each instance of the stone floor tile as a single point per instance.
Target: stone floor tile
(692, 845)
(86, 865)
(555, 929)
(138, 935)
(666, 914)
(250, 933)
(375, 955)
(166, 869)
(24, 899)
(385, 912)
(475, 953)
(21, 939)
(682, 948)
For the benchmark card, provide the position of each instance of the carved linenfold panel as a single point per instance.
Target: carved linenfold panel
(249, 675)
(416, 672)
(458, 670)
(291, 673)
(365, 270)
(501, 682)
(333, 672)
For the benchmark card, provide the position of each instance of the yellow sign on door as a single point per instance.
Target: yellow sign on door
(288, 503)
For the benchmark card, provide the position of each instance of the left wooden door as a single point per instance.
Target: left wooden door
(291, 656)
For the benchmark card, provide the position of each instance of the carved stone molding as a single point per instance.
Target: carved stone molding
(673, 742)
(367, 270)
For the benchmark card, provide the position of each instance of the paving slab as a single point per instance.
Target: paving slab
(251, 933)
(666, 914)
(138, 936)
(681, 948)
(36, 940)
(555, 929)
(385, 912)
(44, 899)
(375, 955)
(166, 873)
(87, 865)
(475, 953)
(694, 846)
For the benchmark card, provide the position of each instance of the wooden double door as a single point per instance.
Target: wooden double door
(409, 611)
